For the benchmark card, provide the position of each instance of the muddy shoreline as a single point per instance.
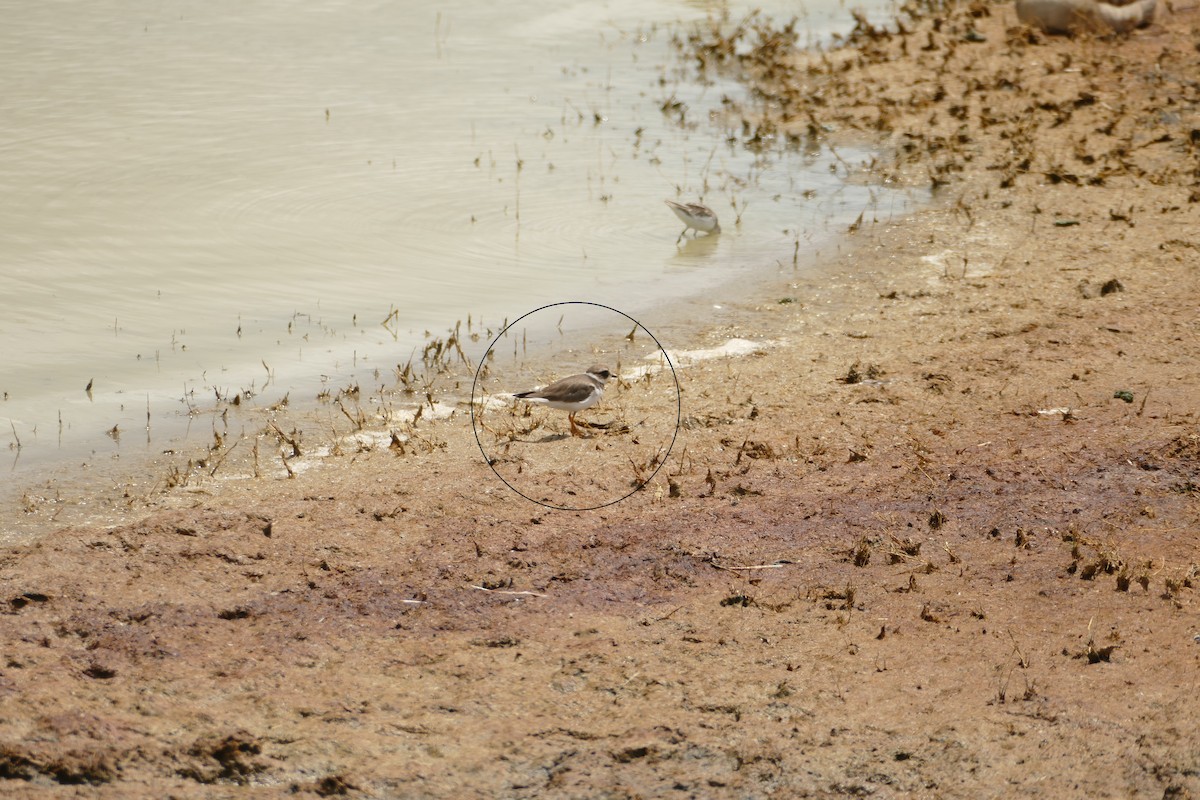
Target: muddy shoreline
(943, 544)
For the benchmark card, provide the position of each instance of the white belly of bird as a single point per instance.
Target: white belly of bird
(565, 406)
(705, 224)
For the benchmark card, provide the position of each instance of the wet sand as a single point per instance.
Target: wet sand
(936, 536)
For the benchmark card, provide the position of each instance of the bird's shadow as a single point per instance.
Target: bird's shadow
(552, 437)
(602, 427)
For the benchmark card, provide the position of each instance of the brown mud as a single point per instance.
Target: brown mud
(937, 538)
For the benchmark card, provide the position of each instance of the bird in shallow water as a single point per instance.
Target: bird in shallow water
(572, 394)
(695, 216)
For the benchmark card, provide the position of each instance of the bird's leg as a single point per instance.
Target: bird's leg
(574, 430)
(681, 233)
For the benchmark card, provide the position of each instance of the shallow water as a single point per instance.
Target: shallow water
(211, 198)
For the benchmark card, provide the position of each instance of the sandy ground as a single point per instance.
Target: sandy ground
(936, 537)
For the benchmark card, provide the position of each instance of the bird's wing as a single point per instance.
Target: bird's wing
(567, 390)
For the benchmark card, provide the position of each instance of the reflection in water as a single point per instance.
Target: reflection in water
(218, 202)
(695, 251)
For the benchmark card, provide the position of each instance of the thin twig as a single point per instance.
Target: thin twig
(221, 460)
(777, 565)
(286, 439)
(502, 591)
(668, 616)
(357, 423)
